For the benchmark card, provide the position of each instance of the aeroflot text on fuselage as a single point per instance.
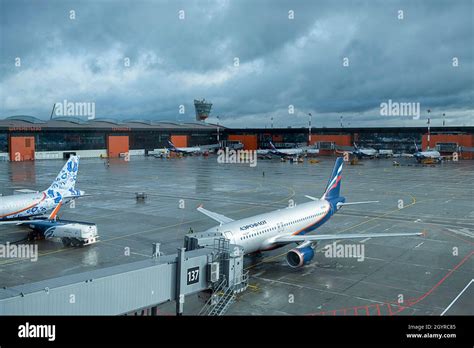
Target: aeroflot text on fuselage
(255, 224)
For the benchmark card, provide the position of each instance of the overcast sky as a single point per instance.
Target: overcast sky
(282, 61)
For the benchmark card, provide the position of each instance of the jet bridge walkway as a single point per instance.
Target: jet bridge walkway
(136, 287)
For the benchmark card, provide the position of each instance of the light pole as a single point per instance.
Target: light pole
(429, 147)
(218, 140)
(309, 138)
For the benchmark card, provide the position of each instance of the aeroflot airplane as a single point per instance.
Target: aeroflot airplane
(419, 155)
(17, 209)
(184, 150)
(284, 152)
(291, 225)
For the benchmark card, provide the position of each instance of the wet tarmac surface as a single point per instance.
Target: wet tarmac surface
(398, 276)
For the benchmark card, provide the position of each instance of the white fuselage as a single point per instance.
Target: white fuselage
(287, 152)
(429, 154)
(258, 233)
(369, 152)
(187, 149)
(25, 205)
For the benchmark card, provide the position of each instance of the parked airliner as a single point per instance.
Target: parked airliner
(291, 225)
(364, 152)
(184, 150)
(16, 209)
(284, 152)
(419, 155)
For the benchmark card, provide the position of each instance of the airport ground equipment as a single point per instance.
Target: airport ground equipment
(141, 196)
(137, 287)
(71, 233)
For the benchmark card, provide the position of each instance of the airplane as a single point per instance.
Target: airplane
(183, 150)
(420, 155)
(291, 225)
(19, 209)
(284, 152)
(362, 152)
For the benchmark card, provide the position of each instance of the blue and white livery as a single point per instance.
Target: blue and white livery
(292, 225)
(183, 150)
(18, 208)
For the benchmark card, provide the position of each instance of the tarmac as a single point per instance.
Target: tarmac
(428, 274)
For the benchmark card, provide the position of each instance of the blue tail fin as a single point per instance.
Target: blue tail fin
(416, 146)
(334, 185)
(171, 145)
(66, 179)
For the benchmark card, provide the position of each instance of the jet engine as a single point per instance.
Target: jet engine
(300, 256)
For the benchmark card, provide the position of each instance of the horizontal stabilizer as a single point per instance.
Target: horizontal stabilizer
(354, 203)
(221, 219)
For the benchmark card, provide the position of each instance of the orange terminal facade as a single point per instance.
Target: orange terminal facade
(24, 138)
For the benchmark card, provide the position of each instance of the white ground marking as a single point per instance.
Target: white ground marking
(459, 295)
(462, 231)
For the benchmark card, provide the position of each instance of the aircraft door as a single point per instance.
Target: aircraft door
(228, 235)
(280, 227)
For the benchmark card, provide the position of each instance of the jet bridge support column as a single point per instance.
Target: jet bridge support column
(179, 282)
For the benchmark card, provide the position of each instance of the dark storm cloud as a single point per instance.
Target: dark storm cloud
(283, 62)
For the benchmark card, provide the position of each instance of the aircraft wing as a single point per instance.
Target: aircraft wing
(315, 238)
(19, 222)
(221, 219)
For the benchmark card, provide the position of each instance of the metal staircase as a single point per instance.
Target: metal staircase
(224, 292)
(224, 302)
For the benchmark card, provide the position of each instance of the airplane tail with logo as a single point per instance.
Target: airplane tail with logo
(416, 146)
(66, 179)
(171, 145)
(334, 185)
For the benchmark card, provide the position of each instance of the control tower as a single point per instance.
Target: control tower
(203, 109)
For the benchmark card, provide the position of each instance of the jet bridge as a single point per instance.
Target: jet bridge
(137, 287)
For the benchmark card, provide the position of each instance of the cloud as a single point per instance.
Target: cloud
(281, 61)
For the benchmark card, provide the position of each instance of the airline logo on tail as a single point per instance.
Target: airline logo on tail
(416, 146)
(64, 184)
(334, 185)
(171, 145)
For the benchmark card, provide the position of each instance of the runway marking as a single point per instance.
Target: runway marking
(412, 302)
(459, 295)
(365, 240)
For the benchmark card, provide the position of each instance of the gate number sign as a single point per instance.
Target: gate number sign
(193, 275)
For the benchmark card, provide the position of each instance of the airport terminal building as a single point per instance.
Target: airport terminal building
(27, 138)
